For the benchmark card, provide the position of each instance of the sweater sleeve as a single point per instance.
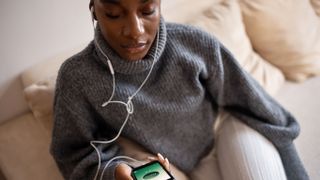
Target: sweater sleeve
(235, 91)
(75, 125)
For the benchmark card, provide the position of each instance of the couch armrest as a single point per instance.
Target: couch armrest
(24, 150)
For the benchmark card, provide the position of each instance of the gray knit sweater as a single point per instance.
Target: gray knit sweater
(193, 77)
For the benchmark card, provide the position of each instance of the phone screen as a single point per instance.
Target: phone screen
(151, 171)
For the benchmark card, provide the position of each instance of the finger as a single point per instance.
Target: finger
(126, 176)
(167, 164)
(164, 161)
(123, 172)
(161, 158)
(150, 158)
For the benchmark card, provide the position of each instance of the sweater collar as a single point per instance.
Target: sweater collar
(123, 66)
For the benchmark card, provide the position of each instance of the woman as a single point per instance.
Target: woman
(159, 85)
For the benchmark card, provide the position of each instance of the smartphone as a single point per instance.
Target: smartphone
(151, 171)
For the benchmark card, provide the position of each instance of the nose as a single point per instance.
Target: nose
(133, 28)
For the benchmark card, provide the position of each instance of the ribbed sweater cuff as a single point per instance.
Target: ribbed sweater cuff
(292, 163)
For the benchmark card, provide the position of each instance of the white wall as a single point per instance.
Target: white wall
(33, 31)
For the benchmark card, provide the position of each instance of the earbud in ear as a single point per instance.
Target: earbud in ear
(93, 16)
(92, 13)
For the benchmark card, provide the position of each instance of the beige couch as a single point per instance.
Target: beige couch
(275, 41)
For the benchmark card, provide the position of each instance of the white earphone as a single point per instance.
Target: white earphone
(128, 104)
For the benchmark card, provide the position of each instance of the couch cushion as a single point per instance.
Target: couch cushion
(223, 20)
(303, 100)
(286, 33)
(24, 150)
(182, 10)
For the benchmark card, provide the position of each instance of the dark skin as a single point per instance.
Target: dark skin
(130, 28)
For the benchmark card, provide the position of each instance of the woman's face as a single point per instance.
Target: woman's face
(129, 26)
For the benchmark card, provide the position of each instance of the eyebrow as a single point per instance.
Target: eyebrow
(118, 1)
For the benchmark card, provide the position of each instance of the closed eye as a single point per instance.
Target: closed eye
(112, 16)
(148, 13)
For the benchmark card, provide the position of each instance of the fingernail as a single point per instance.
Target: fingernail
(167, 160)
(160, 156)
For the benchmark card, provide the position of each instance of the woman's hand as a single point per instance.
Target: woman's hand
(123, 171)
(162, 160)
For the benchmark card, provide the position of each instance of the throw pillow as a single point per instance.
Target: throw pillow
(223, 20)
(39, 97)
(39, 81)
(286, 33)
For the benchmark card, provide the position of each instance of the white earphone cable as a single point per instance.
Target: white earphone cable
(129, 106)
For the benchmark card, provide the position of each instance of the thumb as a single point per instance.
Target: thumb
(123, 172)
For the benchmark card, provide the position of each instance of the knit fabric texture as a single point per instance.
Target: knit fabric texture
(194, 77)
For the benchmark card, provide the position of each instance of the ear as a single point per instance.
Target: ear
(91, 7)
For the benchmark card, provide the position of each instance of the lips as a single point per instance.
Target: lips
(133, 48)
